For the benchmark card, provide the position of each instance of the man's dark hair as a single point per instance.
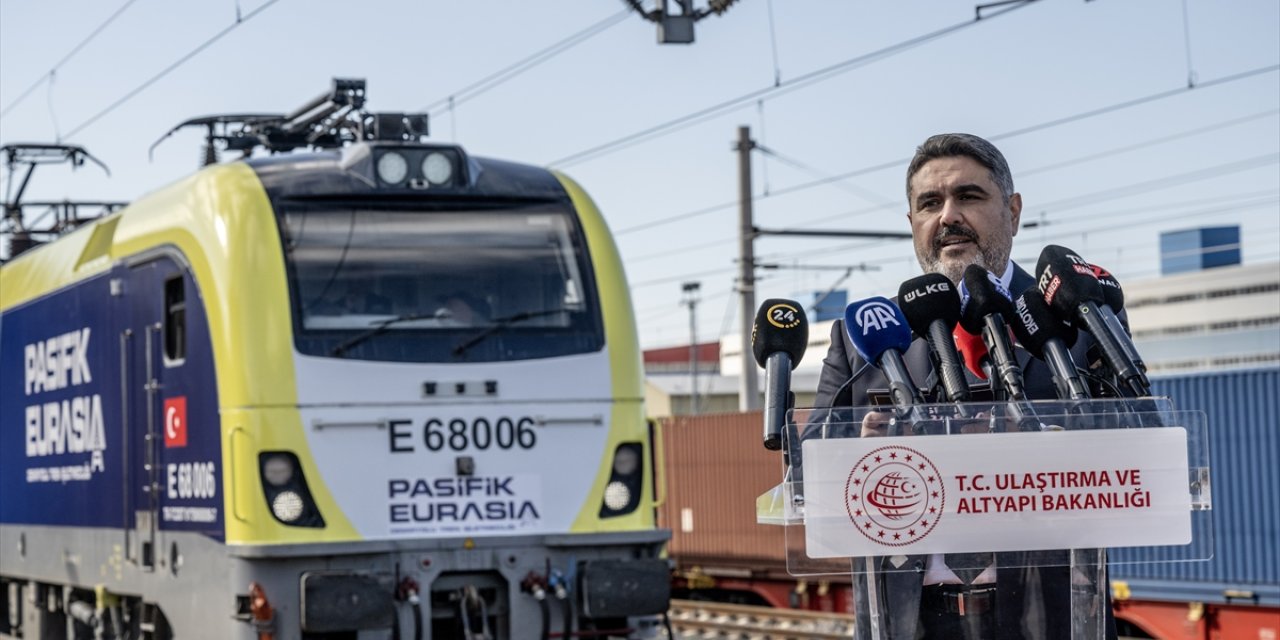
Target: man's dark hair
(950, 145)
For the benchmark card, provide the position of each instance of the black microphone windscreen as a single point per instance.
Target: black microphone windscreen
(987, 296)
(1037, 324)
(780, 326)
(1066, 280)
(927, 298)
(1111, 291)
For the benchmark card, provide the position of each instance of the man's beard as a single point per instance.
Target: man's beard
(992, 255)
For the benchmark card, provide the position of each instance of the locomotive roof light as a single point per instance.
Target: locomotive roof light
(437, 168)
(392, 167)
(412, 166)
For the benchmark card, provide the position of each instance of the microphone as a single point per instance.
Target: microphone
(932, 308)
(1113, 296)
(986, 305)
(974, 353)
(1050, 340)
(1072, 291)
(880, 334)
(778, 340)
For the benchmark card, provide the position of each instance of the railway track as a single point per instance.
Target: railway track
(699, 620)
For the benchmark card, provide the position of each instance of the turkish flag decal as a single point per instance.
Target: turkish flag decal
(175, 422)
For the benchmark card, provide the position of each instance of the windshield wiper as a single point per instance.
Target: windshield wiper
(379, 328)
(501, 324)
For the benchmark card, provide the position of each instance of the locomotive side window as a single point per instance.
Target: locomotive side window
(175, 320)
(439, 286)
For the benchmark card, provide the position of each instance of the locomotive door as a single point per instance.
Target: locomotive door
(143, 365)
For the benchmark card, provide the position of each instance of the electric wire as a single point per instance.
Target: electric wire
(1136, 101)
(787, 86)
(865, 194)
(773, 44)
(1186, 37)
(903, 161)
(1059, 205)
(500, 76)
(1226, 204)
(48, 75)
(1149, 143)
(167, 70)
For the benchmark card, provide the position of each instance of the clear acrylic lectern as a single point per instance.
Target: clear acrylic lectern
(993, 518)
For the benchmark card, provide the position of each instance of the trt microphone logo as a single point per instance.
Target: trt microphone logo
(876, 316)
(928, 289)
(1049, 283)
(175, 422)
(1081, 265)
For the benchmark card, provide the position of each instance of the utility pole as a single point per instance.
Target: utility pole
(748, 389)
(691, 298)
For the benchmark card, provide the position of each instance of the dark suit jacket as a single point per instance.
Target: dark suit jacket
(1040, 594)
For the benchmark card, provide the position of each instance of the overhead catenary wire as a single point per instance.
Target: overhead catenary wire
(1045, 208)
(48, 75)
(169, 69)
(448, 103)
(849, 214)
(1111, 194)
(1000, 136)
(782, 88)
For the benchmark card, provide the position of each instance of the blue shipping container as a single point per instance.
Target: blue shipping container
(1243, 411)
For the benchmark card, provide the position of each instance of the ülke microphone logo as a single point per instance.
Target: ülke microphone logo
(894, 496)
(928, 289)
(876, 316)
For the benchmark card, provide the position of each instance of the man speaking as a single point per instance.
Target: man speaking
(963, 211)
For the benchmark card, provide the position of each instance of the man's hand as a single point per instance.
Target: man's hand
(876, 424)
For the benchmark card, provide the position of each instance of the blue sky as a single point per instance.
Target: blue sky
(1104, 184)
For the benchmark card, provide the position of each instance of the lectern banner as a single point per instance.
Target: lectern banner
(996, 492)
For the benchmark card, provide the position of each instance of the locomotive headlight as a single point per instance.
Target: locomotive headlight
(616, 496)
(437, 168)
(287, 506)
(625, 488)
(284, 486)
(626, 461)
(277, 470)
(392, 167)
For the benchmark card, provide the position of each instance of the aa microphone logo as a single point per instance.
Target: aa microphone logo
(876, 316)
(894, 496)
(783, 316)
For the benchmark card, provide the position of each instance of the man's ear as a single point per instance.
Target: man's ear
(1015, 211)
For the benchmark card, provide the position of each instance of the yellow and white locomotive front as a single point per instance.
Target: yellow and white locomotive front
(467, 434)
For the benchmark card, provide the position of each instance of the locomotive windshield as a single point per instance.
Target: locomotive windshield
(450, 285)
